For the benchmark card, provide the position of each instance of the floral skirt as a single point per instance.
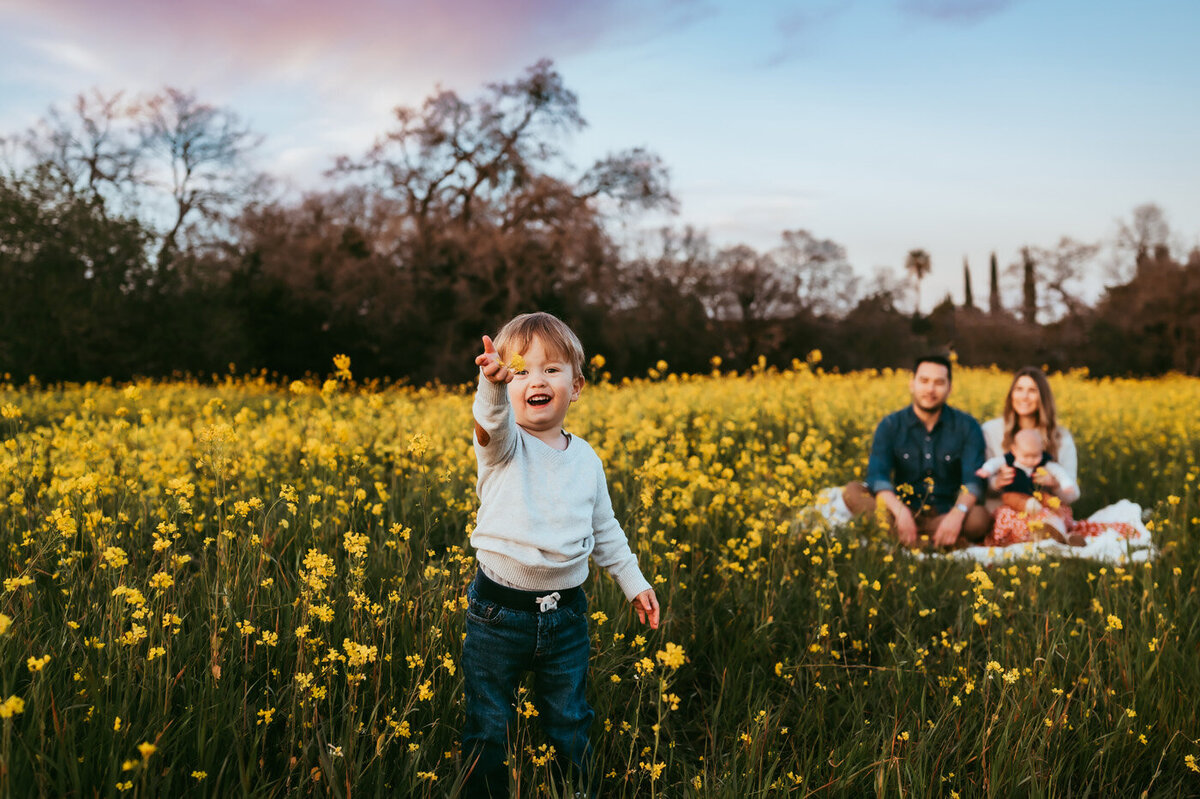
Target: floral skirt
(1015, 527)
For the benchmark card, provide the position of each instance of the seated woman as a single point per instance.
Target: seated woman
(1028, 458)
(1029, 405)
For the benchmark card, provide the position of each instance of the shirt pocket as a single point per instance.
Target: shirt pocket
(949, 465)
(907, 461)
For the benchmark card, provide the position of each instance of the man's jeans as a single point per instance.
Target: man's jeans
(501, 645)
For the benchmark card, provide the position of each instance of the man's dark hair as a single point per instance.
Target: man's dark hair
(940, 360)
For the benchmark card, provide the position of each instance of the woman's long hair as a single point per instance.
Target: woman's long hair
(1047, 417)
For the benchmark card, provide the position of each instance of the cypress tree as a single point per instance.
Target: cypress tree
(994, 299)
(968, 297)
(1029, 288)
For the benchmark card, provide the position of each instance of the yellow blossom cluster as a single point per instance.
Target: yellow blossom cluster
(243, 570)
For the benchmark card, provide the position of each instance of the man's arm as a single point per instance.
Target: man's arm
(880, 469)
(950, 527)
(906, 525)
(879, 465)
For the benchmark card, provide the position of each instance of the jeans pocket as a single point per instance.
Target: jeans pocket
(483, 611)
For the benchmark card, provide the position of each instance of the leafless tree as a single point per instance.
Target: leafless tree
(202, 159)
(825, 283)
(1136, 239)
(1060, 271)
(90, 150)
(754, 293)
(488, 161)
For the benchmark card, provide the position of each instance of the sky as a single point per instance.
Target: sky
(963, 127)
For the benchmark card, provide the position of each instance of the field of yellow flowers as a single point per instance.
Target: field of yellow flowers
(235, 587)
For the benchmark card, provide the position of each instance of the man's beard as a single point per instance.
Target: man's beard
(929, 408)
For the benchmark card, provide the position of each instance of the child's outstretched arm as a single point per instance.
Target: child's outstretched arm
(646, 605)
(495, 429)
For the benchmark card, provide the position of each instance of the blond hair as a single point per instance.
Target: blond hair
(559, 341)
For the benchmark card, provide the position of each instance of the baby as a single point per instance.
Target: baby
(1029, 457)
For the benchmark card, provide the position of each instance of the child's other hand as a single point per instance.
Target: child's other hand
(489, 363)
(982, 472)
(1043, 478)
(646, 605)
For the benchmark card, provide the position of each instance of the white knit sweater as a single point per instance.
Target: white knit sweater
(542, 511)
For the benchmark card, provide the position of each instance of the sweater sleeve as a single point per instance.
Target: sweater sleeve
(993, 465)
(1068, 458)
(1068, 489)
(611, 551)
(494, 416)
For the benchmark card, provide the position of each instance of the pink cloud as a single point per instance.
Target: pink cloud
(320, 79)
(334, 48)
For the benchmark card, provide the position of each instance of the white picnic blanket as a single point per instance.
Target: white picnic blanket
(1110, 546)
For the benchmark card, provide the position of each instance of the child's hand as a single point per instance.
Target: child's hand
(1043, 478)
(646, 605)
(489, 363)
(982, 472)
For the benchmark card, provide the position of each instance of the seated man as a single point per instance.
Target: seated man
(923, 463)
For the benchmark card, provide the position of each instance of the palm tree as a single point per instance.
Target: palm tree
(918, 264)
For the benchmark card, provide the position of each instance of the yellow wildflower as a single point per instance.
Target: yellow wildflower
(672, 656)
(12, 706)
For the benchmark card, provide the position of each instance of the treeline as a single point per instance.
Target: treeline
(137, 239)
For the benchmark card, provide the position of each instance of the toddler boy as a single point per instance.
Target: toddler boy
(544, 509)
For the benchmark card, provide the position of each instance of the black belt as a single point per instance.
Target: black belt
(516, 599)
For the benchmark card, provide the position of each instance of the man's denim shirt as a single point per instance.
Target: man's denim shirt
(904, 453)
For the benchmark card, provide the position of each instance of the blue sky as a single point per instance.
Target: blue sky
(959, 126)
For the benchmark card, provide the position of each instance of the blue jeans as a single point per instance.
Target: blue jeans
(501, 645)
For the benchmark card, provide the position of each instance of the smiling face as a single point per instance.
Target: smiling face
(542, 392)
(930, 386)
(1026, 399)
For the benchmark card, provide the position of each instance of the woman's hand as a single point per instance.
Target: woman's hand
(1003, 477)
